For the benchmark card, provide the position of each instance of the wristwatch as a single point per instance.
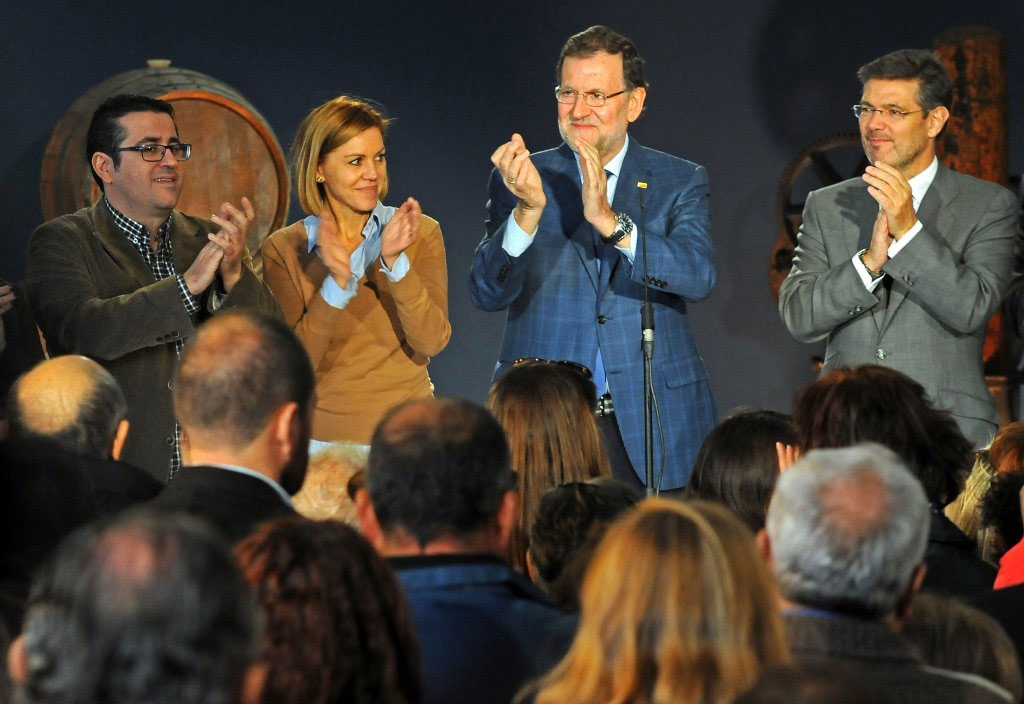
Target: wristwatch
(623, 226)
(875, 275)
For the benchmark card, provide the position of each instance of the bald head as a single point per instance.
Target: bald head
(71, 401)
(236, 372)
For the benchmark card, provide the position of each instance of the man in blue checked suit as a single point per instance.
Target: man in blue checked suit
(562, 254)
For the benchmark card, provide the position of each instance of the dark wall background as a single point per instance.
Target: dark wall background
(739, 86)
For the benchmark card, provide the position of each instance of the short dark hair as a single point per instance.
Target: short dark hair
(92, 432)
(237, 370)
(105, 130)
(601, 38)
(148, 608)
(934, 88)
(570, 521)
(438, 467)
(322, 588)
(871, 403)
(737, 464)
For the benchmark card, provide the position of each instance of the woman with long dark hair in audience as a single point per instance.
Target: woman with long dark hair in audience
(677, 606)
(547, 411)
(739, 461)
(336, 626)
(364, 285)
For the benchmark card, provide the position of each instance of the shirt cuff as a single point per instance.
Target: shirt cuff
(516, 239)
(397, 272)
(630, 251)
(902, 242)
(190, 301)
(870, 283)
(335, 295)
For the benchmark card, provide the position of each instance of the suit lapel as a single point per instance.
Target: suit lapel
(936, 218)
(567, 189)
(627, 195)
(121, 250)
(857, 234)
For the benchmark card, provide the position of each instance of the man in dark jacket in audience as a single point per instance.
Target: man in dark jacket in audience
(74, 403)
(440, 502)
(148, 609)
(845, 538)
(243, 395)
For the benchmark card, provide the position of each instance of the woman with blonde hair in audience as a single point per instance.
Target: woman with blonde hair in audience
(364, 285)
(547, 412)
(677, 607)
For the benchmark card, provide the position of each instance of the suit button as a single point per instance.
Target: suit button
(858, 309)
(170, 385)
(169, 440)
(601, 320)
(881, 354)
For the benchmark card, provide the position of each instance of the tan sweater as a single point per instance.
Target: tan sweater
(372, 354)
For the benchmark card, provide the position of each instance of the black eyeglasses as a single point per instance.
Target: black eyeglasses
(567, 363)
(155, 152)
(593, 98)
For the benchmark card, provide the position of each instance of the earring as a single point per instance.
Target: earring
(319, 178)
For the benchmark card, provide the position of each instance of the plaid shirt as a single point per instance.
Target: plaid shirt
(161, 263)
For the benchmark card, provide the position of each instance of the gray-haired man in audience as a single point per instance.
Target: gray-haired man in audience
(845, 537)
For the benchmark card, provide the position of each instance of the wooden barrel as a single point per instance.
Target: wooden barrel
(234, 151)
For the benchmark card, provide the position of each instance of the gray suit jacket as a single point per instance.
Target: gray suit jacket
(93, 294)
(945, 285)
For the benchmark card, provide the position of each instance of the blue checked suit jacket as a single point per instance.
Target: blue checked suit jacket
(555, 293)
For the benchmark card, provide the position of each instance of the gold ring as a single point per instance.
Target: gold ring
(511, 181)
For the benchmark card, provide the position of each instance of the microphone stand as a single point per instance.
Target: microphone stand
(647, 343)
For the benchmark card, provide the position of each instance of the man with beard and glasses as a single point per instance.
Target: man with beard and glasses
(244, 396)
(563, 255)
(904, 266)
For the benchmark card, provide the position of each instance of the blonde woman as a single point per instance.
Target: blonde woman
(677, 607)
(364, 285)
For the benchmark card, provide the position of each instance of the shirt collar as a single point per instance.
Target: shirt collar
(133, 228)
(378, 216)
(256, 475)
(920, 183)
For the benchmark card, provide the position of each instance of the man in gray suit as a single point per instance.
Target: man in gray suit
(904, 265)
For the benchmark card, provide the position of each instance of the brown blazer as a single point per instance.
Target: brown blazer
(94, 295)
(372, 354)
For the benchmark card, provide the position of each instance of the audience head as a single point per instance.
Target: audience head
(244, 388)
(1001, 509)
(547, 411)
(737, 464)
(570, 521)
(438, 473)
(954, 636)
(847, 530)
(336, 627)
(145, 609)
(877, 404)
(677, 606)
(106, 131)
(1006, 453)
(323, 130)
(325, 494)
(70, 401)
